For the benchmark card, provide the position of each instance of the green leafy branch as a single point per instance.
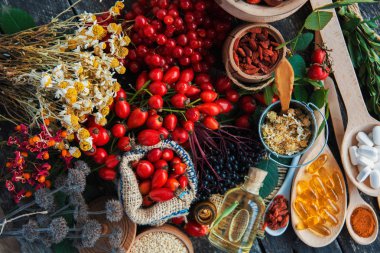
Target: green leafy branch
(316, 21)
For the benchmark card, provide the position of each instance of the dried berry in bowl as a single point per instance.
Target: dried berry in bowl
(250, 53)
(277, 215)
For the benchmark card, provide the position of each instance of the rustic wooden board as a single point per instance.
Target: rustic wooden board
(44, 10)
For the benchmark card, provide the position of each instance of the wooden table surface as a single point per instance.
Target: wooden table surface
(42, 12)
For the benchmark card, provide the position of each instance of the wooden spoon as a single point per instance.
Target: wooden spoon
(284, 80)
(358, 116)
(355, 198)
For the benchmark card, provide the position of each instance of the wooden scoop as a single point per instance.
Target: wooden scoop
(355, 198)
(344, 73)
(284, 80)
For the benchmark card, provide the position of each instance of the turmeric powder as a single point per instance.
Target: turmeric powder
(363, 222)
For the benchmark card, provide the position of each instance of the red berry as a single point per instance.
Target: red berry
(124, 144)
(144, 169)
(193, 114)
(232, 95)
(154, 155)
(167, 154)
(161, 164)
(118, 130)
(156, 102)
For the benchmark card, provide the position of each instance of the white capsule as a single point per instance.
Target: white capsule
(353, 151)
(362, 160)
(376, 135)
(363, 138)
(369, 152)
(363, 174)
(375, 179)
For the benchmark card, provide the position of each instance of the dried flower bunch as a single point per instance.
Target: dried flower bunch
(50, 227)
(30, 165)
(62, 74)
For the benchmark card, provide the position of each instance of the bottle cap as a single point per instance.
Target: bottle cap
(254, 180)
(256, 175)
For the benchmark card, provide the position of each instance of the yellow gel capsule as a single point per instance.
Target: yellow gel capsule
(320, 230)
(301, 226)
(312, 209)
(302, 186)
(326, 178)
(299, 207)
(309, 195)
(331, 206)
(332, 194)
(317, 164)
(329, 217)
(312, 221)
(318, 185)
(338, 183)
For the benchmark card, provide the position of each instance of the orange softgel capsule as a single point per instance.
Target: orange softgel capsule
(317, 164)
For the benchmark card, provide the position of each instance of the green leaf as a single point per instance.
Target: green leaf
(298, 64)
(300, 93)
(271, 179)
(351, 24)
(317, 84)
(327, 115)
(268, 95)
(344, 3)
(319, 97)
(317, 20)
(302, 42)
(14, 20)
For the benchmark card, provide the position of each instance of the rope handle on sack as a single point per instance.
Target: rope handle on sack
(235, 81)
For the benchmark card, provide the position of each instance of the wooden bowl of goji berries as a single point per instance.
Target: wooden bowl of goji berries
(250, 54)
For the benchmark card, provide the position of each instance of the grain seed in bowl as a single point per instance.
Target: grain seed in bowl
(158, 242)
(287, 134)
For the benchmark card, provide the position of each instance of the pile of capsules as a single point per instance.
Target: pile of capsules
(317, 199)
(366, 156)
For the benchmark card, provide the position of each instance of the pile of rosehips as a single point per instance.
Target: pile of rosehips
(178, 99)
(176, 32)
(320, 67)
(160, 173)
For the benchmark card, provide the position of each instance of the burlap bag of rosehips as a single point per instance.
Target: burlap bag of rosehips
(159, 212)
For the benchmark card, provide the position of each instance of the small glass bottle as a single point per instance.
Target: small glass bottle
(237, 231)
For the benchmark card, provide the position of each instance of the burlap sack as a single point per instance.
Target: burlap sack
(159, 213)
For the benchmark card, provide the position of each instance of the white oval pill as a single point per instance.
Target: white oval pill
(375, 179)
(376, 135)
(353, 151)
(369, 152)
(363, 138)
(365, 161)
(363, 174)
